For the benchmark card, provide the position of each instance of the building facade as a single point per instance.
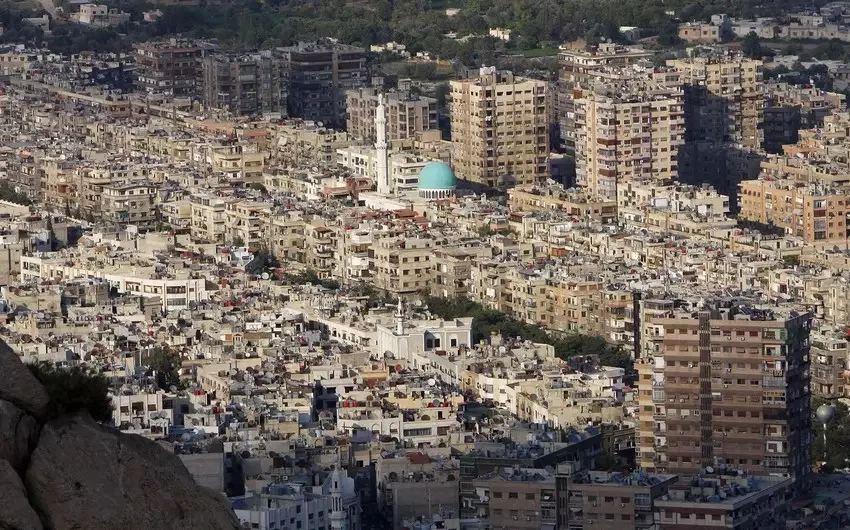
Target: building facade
(406, 114)
(244, 84)
(729, 384)
(167, 67)
(500, 129)
(318, 75)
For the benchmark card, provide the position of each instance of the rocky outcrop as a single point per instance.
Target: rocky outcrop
(72, 472)
(18, 435)
(132, 482)
(15, 510)
(17, 384)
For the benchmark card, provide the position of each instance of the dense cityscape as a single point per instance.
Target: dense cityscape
(457, 266)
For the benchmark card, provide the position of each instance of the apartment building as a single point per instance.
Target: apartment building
(407, 114)
(517, 499)
(723, 100)
(207, 219)
(790, 108)
(554, 197)
(813, 212)
(583, 448)
(598, 500)
(243, 223)
(579, 68)
(731, 502)
(726, 383)
(627, 132)
(245, 84)
(402, 265)
(128, 203)
(167, 67)
(500, 129)
(318, 75)
(724, 115)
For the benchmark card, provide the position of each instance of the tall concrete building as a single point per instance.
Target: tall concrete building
(628, 131)
(580, 68)
(318, 75)
(500, 129)
(724, 116)
(406, 114)
(726, 383)
(168, 67)
(244, 84)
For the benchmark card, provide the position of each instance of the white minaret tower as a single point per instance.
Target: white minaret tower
(337, 515)
(399, 318)
(381, 147)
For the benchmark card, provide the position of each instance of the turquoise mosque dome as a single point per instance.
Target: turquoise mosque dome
(436, 180)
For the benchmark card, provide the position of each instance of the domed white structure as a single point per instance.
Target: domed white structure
(437, 181)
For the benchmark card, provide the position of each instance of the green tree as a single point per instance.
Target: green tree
(164, 366)
(73, 390)
(751, 46)
(837, 448)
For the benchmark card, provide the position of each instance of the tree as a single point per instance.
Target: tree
(164, 366)
(74, 390)
(51, 234)
(837, 447)
(751, 46)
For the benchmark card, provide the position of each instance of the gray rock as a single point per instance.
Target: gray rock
(15, 510)
(83, 475)
(18, 385)
(18, 435)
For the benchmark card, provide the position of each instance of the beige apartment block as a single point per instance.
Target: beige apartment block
(407, 114)
(579, 68)
(403, 266)
(207, 220)
(577, 203)
(244, 84)
(723, 99)
(728, 383)
(128, 203)
(167, 67)
(243, 223)
(627, 132)
(500, 129)
(813, 212)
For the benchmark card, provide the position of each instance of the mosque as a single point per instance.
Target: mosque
(437, 180)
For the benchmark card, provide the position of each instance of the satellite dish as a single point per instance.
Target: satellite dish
(432, 382)
(173, 388)
(265, 276)
(709, 469)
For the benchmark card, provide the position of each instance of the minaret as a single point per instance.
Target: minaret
(399, 319)
(383, 184)
(337, 515)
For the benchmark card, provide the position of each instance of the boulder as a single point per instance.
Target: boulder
(18, 385)
(15, 510)
(83, 475)
(18, 435)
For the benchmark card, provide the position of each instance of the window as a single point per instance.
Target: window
(529, 496)
(513, 495)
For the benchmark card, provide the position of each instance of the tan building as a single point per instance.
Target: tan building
(407, 114)
(598, 500)
(207, 220)
(500, 129)
(244, 84)
(700, 32)
(168, 67)
(723, 99)
(403, 264)
(556, 198)
(579, 68)
(813, 212)
(517, 499)
(129, 203)
(627, 132)
(728, 383)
